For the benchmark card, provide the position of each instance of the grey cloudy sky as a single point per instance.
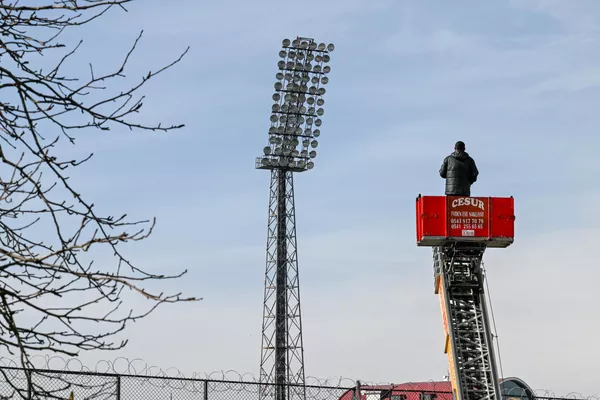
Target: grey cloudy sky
(518, 81)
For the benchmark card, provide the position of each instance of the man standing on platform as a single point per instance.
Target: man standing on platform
(459, 171)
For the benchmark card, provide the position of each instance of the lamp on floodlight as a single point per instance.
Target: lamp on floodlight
(297, 105)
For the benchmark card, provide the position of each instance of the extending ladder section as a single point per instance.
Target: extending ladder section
(459, 283)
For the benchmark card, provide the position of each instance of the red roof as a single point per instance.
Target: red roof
(443, 386)
(411, 390)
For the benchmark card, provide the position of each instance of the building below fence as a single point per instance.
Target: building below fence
(512, 388)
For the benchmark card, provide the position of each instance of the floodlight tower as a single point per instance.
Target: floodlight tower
(295, 121)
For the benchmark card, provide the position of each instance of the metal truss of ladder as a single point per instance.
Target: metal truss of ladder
(468, 323)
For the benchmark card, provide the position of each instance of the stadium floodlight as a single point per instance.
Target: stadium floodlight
(297, 108)
(296, 119)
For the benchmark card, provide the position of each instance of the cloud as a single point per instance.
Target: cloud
(574, 16)
(573, 82)
(228, 28)
(411, 43)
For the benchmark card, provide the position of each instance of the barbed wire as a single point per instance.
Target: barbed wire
(139, 368)
(229, 380)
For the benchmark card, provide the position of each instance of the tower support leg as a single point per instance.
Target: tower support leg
(282, 359)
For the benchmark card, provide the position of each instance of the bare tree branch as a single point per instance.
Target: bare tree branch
(52, 297)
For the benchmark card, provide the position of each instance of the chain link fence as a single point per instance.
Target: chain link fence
(49, 384)
(155, 384)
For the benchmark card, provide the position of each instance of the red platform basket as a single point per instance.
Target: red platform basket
(489, 220)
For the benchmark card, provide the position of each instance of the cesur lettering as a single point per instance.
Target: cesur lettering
(468, 201)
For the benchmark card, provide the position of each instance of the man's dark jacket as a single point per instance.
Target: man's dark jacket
(460, 172)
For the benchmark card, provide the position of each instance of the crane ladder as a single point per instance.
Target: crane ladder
(459, 283)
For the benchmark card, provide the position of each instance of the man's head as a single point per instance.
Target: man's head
(459, 146)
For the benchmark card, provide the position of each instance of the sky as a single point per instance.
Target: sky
(518, 81)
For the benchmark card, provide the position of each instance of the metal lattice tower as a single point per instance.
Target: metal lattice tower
(282, 359)
(458, 271)
(295, 121)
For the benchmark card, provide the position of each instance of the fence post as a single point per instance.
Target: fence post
(206, 389)
(29, 377)
(357, 394)
(118, 387)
